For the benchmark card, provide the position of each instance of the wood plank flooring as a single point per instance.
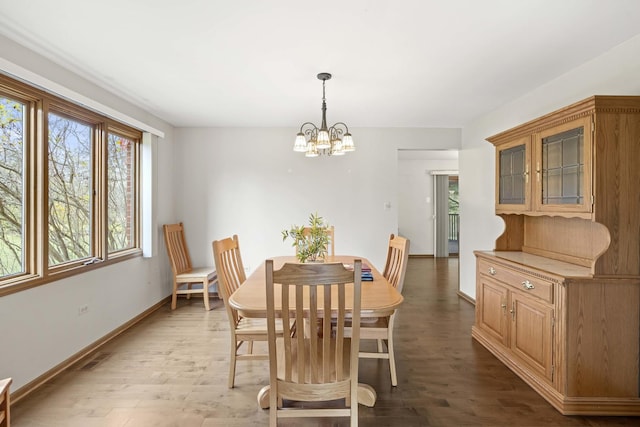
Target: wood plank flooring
(171, 370)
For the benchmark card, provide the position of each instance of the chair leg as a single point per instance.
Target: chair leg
(273, 421)
(250, 346)
(392, 358)
(205, 293)
(232, 361)
(380, 349)
(174, 297)
(392, 367)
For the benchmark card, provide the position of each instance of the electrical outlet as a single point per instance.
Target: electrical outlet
(84, 309)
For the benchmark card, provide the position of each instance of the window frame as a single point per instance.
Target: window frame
(37, 271)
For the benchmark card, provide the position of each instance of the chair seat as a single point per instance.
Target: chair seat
(197, 274)
(189, 287)
(251, 326)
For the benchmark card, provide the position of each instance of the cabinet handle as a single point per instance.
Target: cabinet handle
(504, 307)
(527, 285)
(538, 171)
(492, 271)
(513, 310)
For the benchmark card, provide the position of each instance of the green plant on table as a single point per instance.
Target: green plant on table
(311, 242)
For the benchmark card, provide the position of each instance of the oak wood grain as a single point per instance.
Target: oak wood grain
(143, 377)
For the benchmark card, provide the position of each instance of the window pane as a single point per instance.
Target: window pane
(121, 187)
(12, 125)
(69, 189)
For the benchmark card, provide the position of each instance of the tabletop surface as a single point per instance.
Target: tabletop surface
(379, 297)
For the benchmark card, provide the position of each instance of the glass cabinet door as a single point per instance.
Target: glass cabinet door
(512, 172)
(563, 168)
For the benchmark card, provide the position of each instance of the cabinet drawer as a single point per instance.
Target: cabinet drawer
(527, 283)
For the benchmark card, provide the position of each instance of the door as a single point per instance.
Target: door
(491, 309)
(532, 333)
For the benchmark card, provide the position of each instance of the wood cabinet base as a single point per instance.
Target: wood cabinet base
(616, 406)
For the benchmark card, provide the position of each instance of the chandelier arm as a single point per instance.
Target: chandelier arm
(307, 124)
(341, 124)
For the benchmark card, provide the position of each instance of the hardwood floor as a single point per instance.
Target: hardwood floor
(171, 370)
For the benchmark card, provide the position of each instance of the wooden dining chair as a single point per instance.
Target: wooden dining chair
(381, 329)
(187, 280)
(231, 275)
(5, 403)
(331, 232)
(316, 367)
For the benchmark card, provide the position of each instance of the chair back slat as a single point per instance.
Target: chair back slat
(397, 257)
(231, 274)
(177, 248)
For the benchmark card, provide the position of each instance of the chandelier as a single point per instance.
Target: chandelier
(333, 141)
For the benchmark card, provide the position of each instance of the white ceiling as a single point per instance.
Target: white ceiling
(401, 63)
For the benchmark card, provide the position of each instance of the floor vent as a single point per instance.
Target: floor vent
(99, 358)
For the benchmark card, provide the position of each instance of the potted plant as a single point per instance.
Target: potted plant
(311, 242)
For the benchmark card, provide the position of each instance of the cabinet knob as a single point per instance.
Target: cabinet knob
(527, 285)
(492, 271)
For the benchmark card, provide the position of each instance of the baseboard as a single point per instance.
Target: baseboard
(466, 297)
(431, 256)
(32, 386)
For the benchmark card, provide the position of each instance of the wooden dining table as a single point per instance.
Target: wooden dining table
(378, 299)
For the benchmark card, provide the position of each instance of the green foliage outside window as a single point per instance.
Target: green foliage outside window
(11, 186)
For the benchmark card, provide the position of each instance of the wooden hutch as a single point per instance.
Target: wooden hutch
(558, 299)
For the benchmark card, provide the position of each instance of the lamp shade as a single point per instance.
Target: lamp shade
(301, 143)
(312, 150)
(347, 142)
(323, 140)
(336, 148)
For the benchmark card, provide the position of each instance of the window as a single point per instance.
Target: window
(70, 185)
(69, 190)
(12, 239)
(121, 183)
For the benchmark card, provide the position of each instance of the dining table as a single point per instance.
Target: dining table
(378, 299)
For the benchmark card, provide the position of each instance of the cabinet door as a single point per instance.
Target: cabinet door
(531, 336)
(563, 168)
(513, 186)
(491, 313)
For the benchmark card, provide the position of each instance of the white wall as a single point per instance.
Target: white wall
(614, 73)
(40, 327)
(250, 182)
(415, 186)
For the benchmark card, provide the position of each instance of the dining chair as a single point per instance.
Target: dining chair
(381, 328)
(231, 275)
(315, 367)
(5, 404)
(331, 232)
(187, 280)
